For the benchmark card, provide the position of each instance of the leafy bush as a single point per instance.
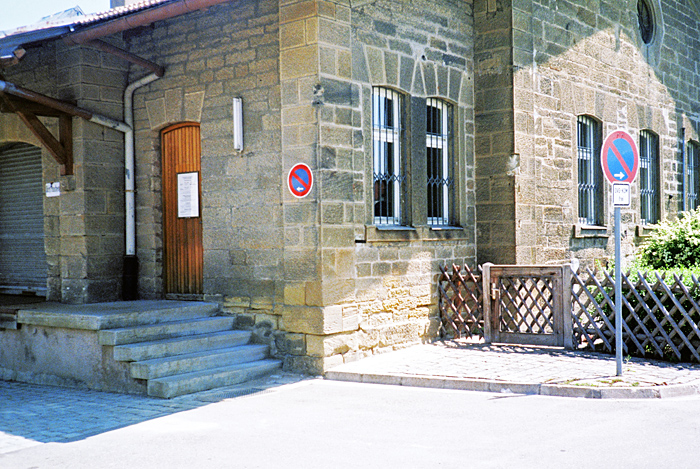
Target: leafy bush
(674, 243)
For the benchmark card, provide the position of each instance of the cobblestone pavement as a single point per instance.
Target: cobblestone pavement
(527, 369)
(33, 414)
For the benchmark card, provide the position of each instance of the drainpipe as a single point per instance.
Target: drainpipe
(131, 262)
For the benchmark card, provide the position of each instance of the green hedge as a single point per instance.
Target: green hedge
(673, 244)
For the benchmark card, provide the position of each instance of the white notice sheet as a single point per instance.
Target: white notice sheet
(188, 195)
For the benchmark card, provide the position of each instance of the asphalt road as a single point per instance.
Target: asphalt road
(327, 424)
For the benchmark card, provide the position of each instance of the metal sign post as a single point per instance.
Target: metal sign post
(618, 295)
(620, 161)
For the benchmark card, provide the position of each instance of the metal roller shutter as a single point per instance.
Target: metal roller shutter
(22, 254)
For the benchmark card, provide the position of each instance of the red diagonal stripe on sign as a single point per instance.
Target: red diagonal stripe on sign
(294, 175)
(620, 159)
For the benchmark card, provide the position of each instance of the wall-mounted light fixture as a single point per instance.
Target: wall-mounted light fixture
(238, 124)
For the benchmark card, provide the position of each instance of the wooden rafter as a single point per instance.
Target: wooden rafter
(62, 148)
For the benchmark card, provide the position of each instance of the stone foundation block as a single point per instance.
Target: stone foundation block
(312, 320)
(290, 344)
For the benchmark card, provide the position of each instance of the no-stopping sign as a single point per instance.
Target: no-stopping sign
(620, 157)
(300, 180)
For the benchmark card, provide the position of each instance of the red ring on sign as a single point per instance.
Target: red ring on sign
(300, 180)
(609, 145)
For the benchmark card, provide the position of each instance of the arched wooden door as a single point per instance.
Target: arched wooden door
(182, 217)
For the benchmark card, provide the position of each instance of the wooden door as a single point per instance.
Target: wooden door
(182, 218)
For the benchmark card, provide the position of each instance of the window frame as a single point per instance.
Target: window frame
(439, 163)
(693, 178)
(649, 178)
(388, 157)
(591, 209)
(646, 21)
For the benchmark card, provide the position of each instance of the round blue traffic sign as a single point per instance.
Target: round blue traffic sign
(620, 157)
(300, 180)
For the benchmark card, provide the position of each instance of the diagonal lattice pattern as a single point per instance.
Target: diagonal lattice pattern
(460, 302)
(527, 304)
(660, 315)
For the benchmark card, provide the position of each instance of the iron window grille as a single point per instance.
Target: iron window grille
(389, 176)
(590, 180)
(439, 162)
(649, 177)
(693, 175)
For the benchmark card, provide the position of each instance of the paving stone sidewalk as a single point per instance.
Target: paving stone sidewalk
(523, 369)
(33, 414)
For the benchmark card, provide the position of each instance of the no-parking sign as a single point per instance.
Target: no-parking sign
(300, 180)
(620, 157)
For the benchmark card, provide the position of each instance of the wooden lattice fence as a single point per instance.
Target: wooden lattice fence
(461, 302)
(661, 314)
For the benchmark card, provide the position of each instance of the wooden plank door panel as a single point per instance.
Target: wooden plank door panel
(182, 237)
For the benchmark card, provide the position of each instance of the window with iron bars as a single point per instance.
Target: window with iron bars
(439, 162)
(649, 177)
(693, 175)
(389, 177)
(590, 180)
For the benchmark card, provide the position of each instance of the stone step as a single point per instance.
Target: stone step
(177, 385)
(168, 366)
(118, 314)
(164, 311)
(180, 345)
(165, 330)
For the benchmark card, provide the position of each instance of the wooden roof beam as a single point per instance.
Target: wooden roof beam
(62, 148)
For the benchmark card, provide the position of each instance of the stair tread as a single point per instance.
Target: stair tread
(200, 320)
(264, 363)
(101, 316)
(165, 330)
(203, 353)
(174, 340)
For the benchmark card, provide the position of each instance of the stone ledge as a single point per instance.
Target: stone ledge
(644, 231)
(378, 234)
(589, 231)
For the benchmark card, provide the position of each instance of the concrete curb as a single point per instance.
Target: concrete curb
(484, 385)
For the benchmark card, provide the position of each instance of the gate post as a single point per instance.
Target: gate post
(567, 307)
(486, 300)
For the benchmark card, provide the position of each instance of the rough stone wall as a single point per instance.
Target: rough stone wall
(494, 140)
(211, 56)
(380, 294)
(92, 215)
(581, 57)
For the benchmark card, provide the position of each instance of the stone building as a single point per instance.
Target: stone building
(436, 132)
(553, 78)
(376, 98)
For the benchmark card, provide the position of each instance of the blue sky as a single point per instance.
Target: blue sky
(24, 12)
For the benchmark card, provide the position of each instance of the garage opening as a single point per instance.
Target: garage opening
(23, 269)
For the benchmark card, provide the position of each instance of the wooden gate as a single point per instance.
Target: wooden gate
(526, 304)
(182, 220)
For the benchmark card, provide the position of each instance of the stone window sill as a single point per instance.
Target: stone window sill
(379, 233)
(590, 231)
(644, 231)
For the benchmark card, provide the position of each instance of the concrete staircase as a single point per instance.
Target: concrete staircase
(186, 349)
